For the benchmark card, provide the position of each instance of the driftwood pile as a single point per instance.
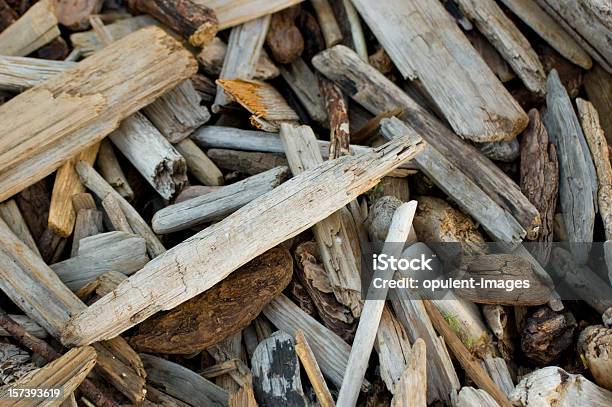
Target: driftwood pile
(189, 190)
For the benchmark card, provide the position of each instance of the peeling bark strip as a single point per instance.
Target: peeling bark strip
(378, 94)
(85, 103)
(211, 255)
(192, 20)
(425, 43)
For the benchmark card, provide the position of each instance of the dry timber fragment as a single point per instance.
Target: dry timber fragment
(336, 105)
(111, 170)
(598, 86)
(14, 363)
(86, 103)
(221, 311)
(204, 259)
(231, 13)
(595, 345)
(447, 66)
(490, 55)
(303, 83)
(411, 390)
(37, 27)
(505, 151)
(194, 21)
(198, 163)
(327, 22)
(88, 223)
(75, 14)
(9, 212)
(284, 40)
(546, 334)
(28, 325)
(245, 162)
(469, 397)
(393, 349)
(309, 362)
(20, 73)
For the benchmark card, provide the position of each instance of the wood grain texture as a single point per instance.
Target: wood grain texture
(394, 351)
(80, 112)
(198, 163)
(35, 28)
(327, 22)
(598, 86)
(309, 362)
(111, 170)
(463, 87)
(303, 83)
(411, 390)
(20, 73)
(9, 212)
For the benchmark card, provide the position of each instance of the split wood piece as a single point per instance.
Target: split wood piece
(309, 362)
(411, 390)
(9, 212)
(159, 398)
(588, 22)
(337, 183)
(276, 372)
(376, 93)
(77, 122)
(354, 27)
(469, 397)
(336, 235)
(200, 166)
(20, 73)
(262, 100)
(28, 325)
(469, 94)
(219, 312)
(577, 176)
(111, 170)
(231, 13)
(15, 363)
(218, 204)
(498, 223)
(496, 317)
(228, 349)
(499, 373)
(112, 251)
(62, 215)
(315, 280)
(337, 109)
(284, 39)
(243, 52)
(182, 383)
(327, 22)
(540, 182)
(115, 214)
(212, 56)
(65, 373)
(160, 164)
(396, 187)
(598, 86)
(245, 162)
(508, 40)
(194, 21)
(595, 345)
(303, 83)
(94, 182)
(87, 42)
(552, 385)
(37, 27)
(469, 363)
(178, 112)
(490, 55)
(547, 28)
(393, 349)
(104, 284)
(75, 14)
(330, 351)
(372, 310)
(89, 222)
(504, 151)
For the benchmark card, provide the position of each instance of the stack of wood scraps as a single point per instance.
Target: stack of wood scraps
(210, 203)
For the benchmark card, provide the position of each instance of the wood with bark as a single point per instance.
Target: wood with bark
(284, 39)
(28, 325)
(336, 235)
(198, 163)
(508, 40)
(244, 49)
(577, 177)
(182, 383)
(73, 123)
(245, 162)
(376, 93)
(411, 390)
(218, 204)
(276, 372)
(451, 71)
(546, 334)
(223, 310)
(111, 170)
(193, 20)
(9, 212)
(327, 22)
(20, 73)
(303, 83)
(309, 362)
(595, 346)
(598, 86)
(337, 109)
(37, 27)
(547, 28)
(75, 14)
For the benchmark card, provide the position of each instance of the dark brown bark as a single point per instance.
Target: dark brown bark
(56, 50)
(546, 334)
(311, 32)
(284, 39)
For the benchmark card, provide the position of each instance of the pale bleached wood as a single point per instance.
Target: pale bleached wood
(359, 42)
(393, 349)
(327, 22)
(200, 166)
(115, 214)
(9, 212)
(499, 373)
(508, 40)
(472, 99)
(85, 103)
(98, 254)
(88, 223)
(218, 204)
(111, 170)
(577, 176)
(303, 83)
(178, 112)
(309, 362)
(250, 231)
(212, 56)
(28, 324)
(35, 28)
(94, 181)
(20, 73)
(552, 385)
(470, 397)
(373, 309)
(411, 390)
(182, 383)
(546, 27)
(598, 86)
(160, 164)
(231, 13)
(335, 235)
(243, 53)
(588, 22)
(65, 373)
(378, 94)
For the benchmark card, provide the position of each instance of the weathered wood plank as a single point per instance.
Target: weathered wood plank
(9, 212)
(37, 27)
(20, 73)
